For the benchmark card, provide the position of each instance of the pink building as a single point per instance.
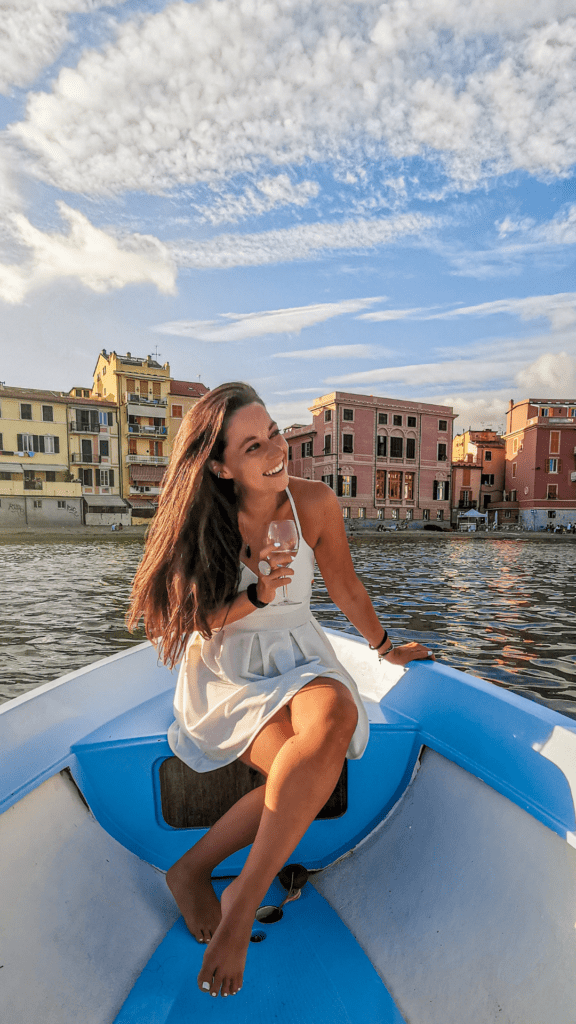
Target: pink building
(478, 459)
(541, 461)
(386, 458)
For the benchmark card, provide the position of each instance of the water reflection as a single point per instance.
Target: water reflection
(503, 610)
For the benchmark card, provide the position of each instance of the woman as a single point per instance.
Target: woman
(259, 681)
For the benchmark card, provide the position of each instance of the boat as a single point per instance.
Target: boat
(439, 883)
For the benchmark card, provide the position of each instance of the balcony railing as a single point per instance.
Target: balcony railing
(84, 428)
(467, 504)
(148, 460)
(32, 485)
(137, 428)
(136, 399)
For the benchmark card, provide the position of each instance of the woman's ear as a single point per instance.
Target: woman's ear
(218, 469)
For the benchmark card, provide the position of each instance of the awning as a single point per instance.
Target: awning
(43, 467)
(142, 503)
(97, 500)
(472, 514)
(10, 467)
(151, 474)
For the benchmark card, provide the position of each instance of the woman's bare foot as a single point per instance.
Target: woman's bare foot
(224, 960)
(196, 900)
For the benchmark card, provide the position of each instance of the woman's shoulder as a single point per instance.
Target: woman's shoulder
(314, 500)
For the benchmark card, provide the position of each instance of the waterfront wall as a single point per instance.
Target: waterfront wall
(17, 511)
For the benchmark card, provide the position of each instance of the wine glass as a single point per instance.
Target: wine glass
(283, 534)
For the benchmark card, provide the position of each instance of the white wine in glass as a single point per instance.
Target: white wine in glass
(283, 534)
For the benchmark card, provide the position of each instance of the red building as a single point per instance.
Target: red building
(386, 458)
(541, 461)
(478, 460)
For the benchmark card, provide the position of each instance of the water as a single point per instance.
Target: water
(503, 610)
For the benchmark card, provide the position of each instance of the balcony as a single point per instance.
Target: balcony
(84, 428)
(33, 485)
(137, 428)
(144, 491)
(467, 504)
(148, 460)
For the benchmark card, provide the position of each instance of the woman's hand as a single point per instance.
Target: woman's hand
(280, 572)
(408, 652)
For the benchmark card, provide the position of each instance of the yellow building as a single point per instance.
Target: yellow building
(140, 388)
(95, 457)
(36, 486)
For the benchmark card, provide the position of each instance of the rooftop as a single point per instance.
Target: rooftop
(188, 388)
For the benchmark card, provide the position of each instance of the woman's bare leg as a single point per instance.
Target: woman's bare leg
(301, 779)
(189, 879)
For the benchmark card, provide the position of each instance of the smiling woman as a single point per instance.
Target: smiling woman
(259, 681)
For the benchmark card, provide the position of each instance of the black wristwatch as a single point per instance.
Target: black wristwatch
(252, 594)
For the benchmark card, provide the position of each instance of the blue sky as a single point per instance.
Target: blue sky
(369, 197)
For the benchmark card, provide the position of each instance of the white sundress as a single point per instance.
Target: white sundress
(231, 685)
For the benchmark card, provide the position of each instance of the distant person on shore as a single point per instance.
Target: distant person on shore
(259, 680)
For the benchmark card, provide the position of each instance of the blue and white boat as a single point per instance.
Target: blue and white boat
(442, 887)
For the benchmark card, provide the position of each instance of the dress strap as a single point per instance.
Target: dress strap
(296, 520)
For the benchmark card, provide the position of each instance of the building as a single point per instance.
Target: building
(478, 460)
(540, 483)
(386, 458)
(139, 387)
(36, 485)
(95, 457)
(182, 396)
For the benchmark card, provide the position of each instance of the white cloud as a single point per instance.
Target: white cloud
(447, 372)
(203, 91)
(552, 375)
(304, 241)
(265, 195)
(333, 352)
(380, 315)
(240, 326)
(559, 309)
(477, 410)
(33, 33)
(86, 254)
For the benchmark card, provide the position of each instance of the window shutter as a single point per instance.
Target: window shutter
(19, 443)
(353, 486)
(339, 486)
(56, 445)
(110, 420)
(111, 477)
(42, 443)
(35, 444)
(435, 491)
(97, 478)
(559, 465)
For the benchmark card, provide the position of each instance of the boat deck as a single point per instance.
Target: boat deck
(305, 967)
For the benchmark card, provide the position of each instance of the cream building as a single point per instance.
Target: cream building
(93, 426)
(36, 485)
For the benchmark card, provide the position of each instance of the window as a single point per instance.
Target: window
(410, 448)
(381, 445)
(104, 478)
(78, 392)
(347, 414)
(1, 444)
(442, 456)
(132, 448)
(156, 389)
(395, 485)
(380, 513)
(553, 465)
(426, 514)
(361, 513)
(512, 495)
(380, 484)
(409, 486)
(346, 486)
(5, 476)
(465, 497)
(48, 413)
(328, 479)
(348, 442)
(488, 456)
(440, 490)
(515, 446)
(346, 513)
(103, 370)
(440, 514)
(552, 492)
(397, 421)
(105, 449)
(572, 412)
(382, 418)
(51, 476)
(86, 477)
(507, 514)
(327, 415)
(411, 421)
(49, 446)
(514, 467)
(554, 442)
(551, 513)
(61, 504)
(177, 412)
(25, 411)
(409, 513)
(289, 453)
(396, 447)
(307, 449)
(544, 412)
(106, 419)
(37, 503)
(327, 444)
(144, 389)
(395, 513)
(25, 442)
(131, 384)
(443, 425)
(487, 480)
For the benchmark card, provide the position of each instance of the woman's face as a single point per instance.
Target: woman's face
(256, 454)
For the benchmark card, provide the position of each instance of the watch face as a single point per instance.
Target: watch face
(264, 568)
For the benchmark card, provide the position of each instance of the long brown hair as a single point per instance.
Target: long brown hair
(191, 563)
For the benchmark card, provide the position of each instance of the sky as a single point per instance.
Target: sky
(370, 197)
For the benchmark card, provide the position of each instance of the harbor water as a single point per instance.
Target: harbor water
(503, 610)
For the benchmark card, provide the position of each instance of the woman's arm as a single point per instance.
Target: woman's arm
(266, 588)
(332, 553)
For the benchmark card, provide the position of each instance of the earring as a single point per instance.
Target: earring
(218, 474)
